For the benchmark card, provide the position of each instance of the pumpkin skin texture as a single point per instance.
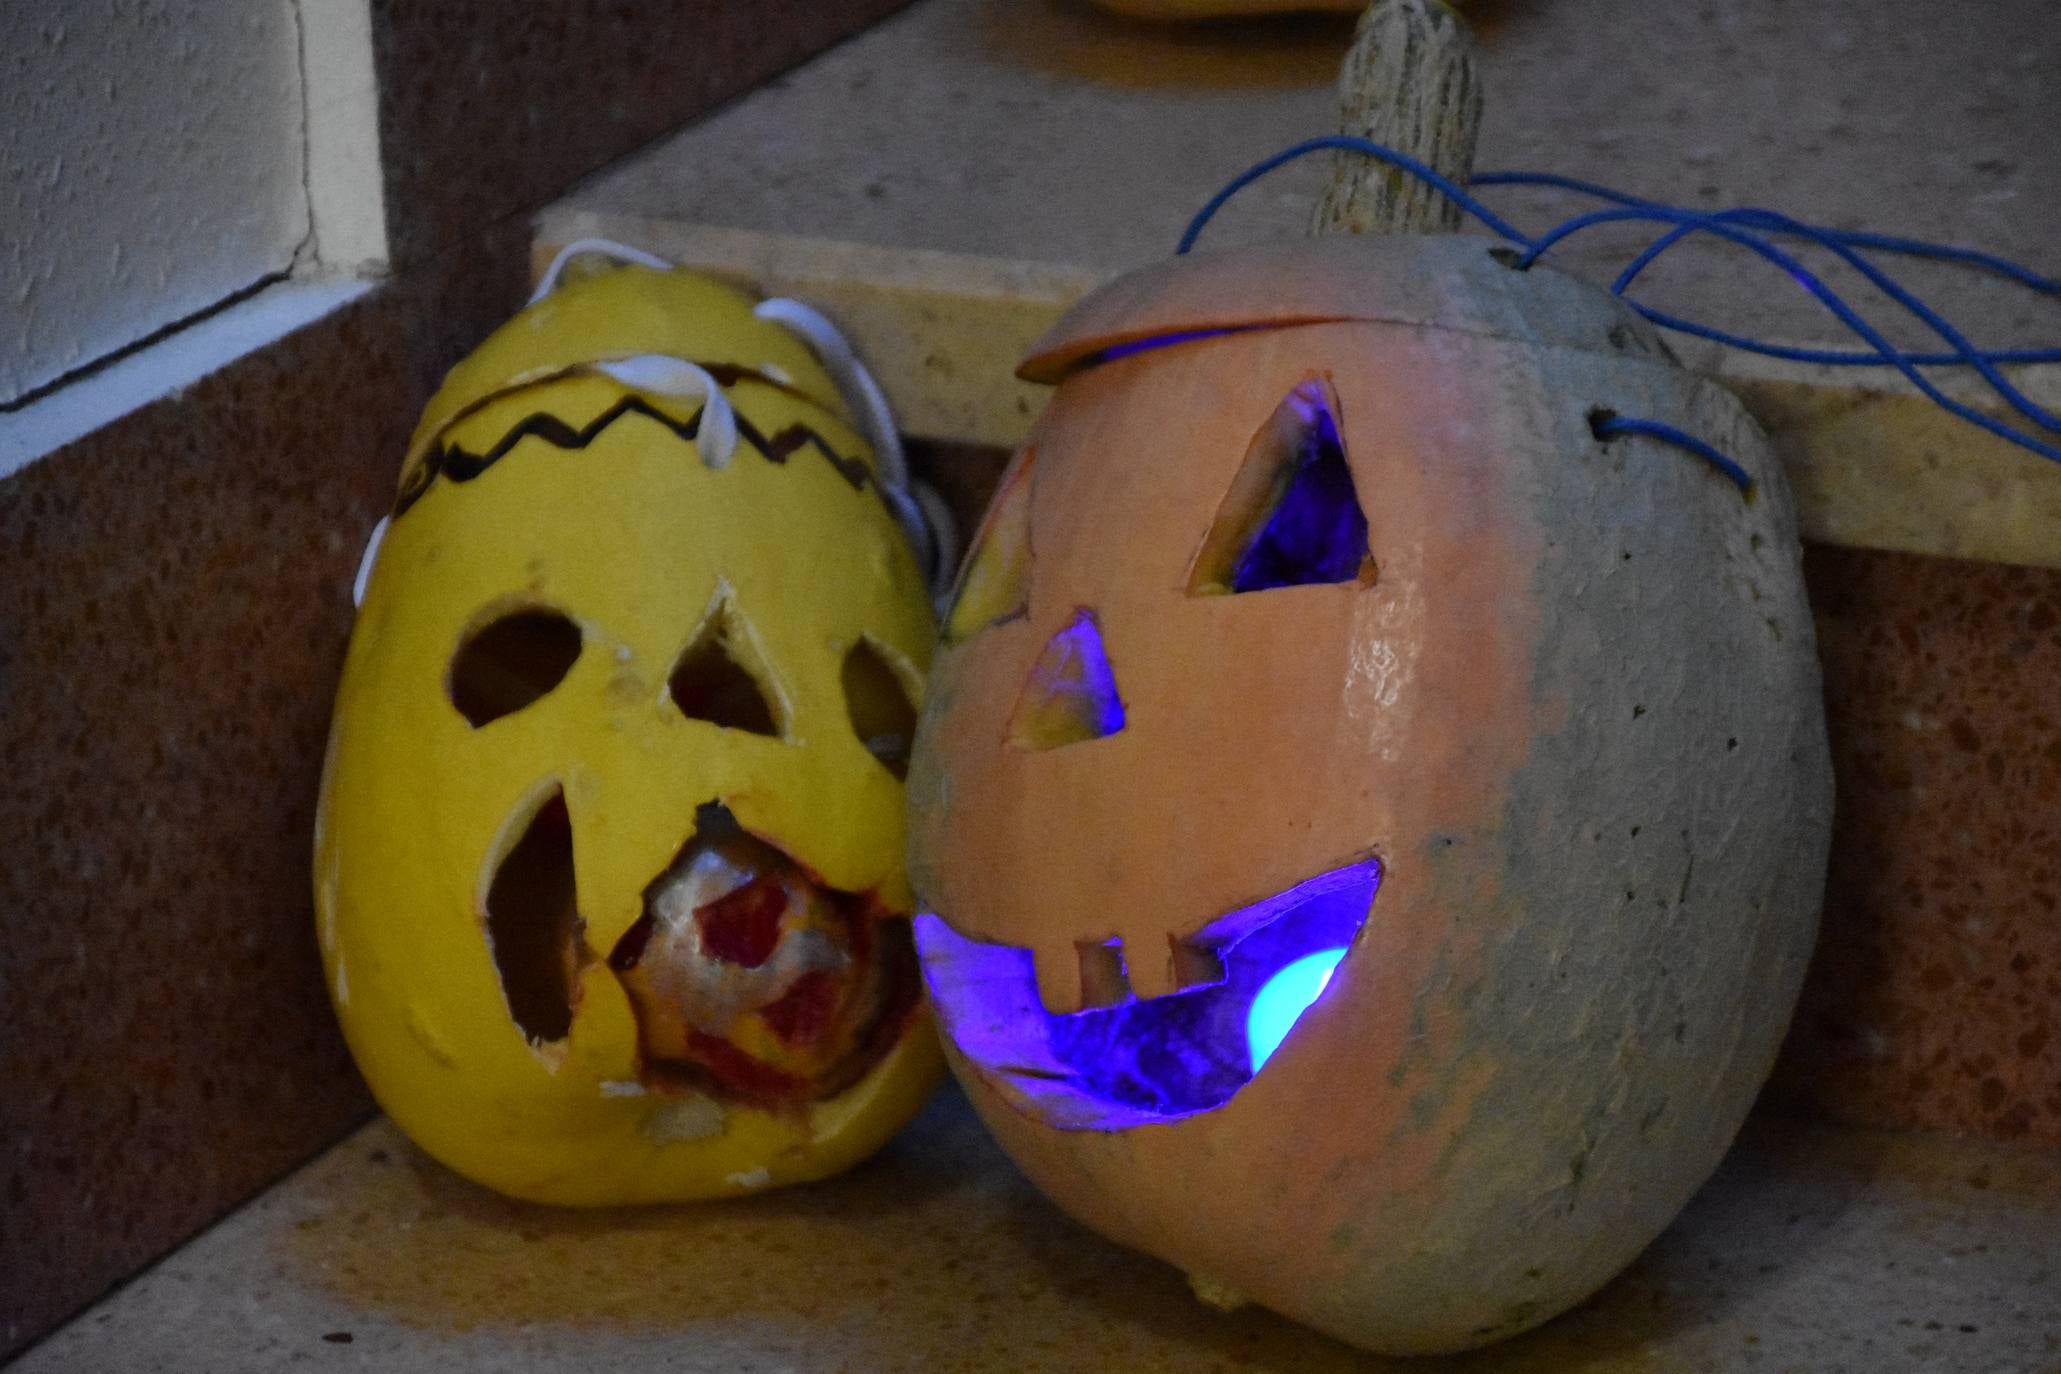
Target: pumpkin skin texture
(1574, 716)
(562, 1062)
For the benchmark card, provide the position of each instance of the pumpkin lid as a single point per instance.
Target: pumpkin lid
(1439, 281)
(621, 314)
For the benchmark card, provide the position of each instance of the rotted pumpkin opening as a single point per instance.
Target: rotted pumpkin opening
(752, 981)
(711, 682)
(1071, 695)
(1292, 517)
(510, 662)
(1122, 1061)
(534, 928)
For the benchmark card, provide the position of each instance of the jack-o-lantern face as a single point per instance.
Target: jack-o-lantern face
(609, 870)
(1316, 644)
(1148, 1016)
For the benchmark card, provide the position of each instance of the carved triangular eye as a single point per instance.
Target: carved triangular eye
(995, 585)
(882, 715)
(1292, 516)
(1071, 696)
(712, 683)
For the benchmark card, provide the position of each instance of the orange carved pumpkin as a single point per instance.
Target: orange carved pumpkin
(1315, 626)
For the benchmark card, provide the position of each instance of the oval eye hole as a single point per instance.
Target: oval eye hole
(512, 661)
(882, 716)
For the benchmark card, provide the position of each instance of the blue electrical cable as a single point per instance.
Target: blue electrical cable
(1857, 238)
(1688, 222)
(1839, 243)
(1380, 152)
(1751, 228)
(1607, 424)
(1885, 351)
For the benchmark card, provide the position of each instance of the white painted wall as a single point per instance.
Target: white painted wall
(152, 163)
(157, 157)
(346, 186)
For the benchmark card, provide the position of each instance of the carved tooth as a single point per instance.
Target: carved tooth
(1103, 977)
(1195, 966)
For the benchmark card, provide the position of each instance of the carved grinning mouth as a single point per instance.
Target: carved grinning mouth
(1157, 1059)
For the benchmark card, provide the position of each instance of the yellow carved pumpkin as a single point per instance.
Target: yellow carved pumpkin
(608, 863)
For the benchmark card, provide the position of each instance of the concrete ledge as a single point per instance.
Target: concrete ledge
(1875, 464)
(948, 182)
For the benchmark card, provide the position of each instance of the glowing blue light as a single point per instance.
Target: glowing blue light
(1286, 996)
(1124, 350)
(1146, 1059)
(1074, 671)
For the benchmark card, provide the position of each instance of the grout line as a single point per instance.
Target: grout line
(307, 250)
(173, 359)
(86, 371)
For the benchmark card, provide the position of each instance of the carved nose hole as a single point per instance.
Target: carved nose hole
(713, 679)
(1104, 983)
(1071, 695)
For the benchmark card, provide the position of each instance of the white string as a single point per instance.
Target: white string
(926, 522)
(917, 508)
(367, 559)
(945, 530)
(716, 437)
(621, 252)
(853, 381)
(909, 515)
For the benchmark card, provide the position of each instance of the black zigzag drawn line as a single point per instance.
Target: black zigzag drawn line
(460, 466)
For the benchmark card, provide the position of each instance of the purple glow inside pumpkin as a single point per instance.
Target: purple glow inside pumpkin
(1316, 531)
(1073, 679)
(1142, 1060)
(1154, 341)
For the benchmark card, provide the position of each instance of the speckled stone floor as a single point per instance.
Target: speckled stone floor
(1831, 1251)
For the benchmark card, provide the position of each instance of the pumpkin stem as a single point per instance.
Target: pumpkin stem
(1408, 81)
